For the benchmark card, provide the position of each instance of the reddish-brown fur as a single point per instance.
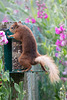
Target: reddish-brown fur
(25, 35)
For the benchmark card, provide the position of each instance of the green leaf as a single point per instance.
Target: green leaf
(1, 61)
(0, 68)
(5, 92)
(1, 10)
(64, 51)
(1, 93)
(1, 65)
(8, 0)
(21, 86)
(33, 9)
(8, 8)
(60, 1)
(5, 76)
(17, 87)
(2, 5)
(17, 98)
(8, 13)
(0, 98)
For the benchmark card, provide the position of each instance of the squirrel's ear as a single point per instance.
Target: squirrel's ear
(16, 23)
(19, 22)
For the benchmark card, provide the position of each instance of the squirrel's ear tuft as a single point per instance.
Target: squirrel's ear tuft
(19, 22)
(16, 23)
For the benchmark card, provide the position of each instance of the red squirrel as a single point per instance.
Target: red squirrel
(30, 55)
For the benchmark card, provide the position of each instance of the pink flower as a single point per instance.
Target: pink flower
(27, 7)
(63, 63)
(63, 79)
(27, 20)
(58, 42)
(66, 35)
(41, 16)
(5, 19)
(41, 13)
(15, 11)
(60, 61)
(38, 14)
(6, 41)
(62, 36)
(56, 54)
(3, 39)
(61, 28)
(66, 63)
(43, 4)
(33, 20)
(30, 19)
(46, 16)
(66, 94)
(57, 30)
(2, 33)
(37, 2)
(1, 43)
(38, 28)
(64, 73)
(58, 48)
(63, 43)
(19, 2)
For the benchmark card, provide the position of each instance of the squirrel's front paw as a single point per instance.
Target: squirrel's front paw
(10, 36)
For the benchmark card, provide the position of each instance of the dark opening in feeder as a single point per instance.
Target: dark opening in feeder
(16, 52)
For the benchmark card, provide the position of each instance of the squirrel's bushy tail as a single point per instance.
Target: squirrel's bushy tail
(53, 69)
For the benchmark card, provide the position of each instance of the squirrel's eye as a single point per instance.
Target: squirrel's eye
(11, 27)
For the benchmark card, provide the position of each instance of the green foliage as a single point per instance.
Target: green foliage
(4, 77)
(51, 91)
(2, 9)
(1, 52)
(19, 89)
(62, 93)
(6, 90)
